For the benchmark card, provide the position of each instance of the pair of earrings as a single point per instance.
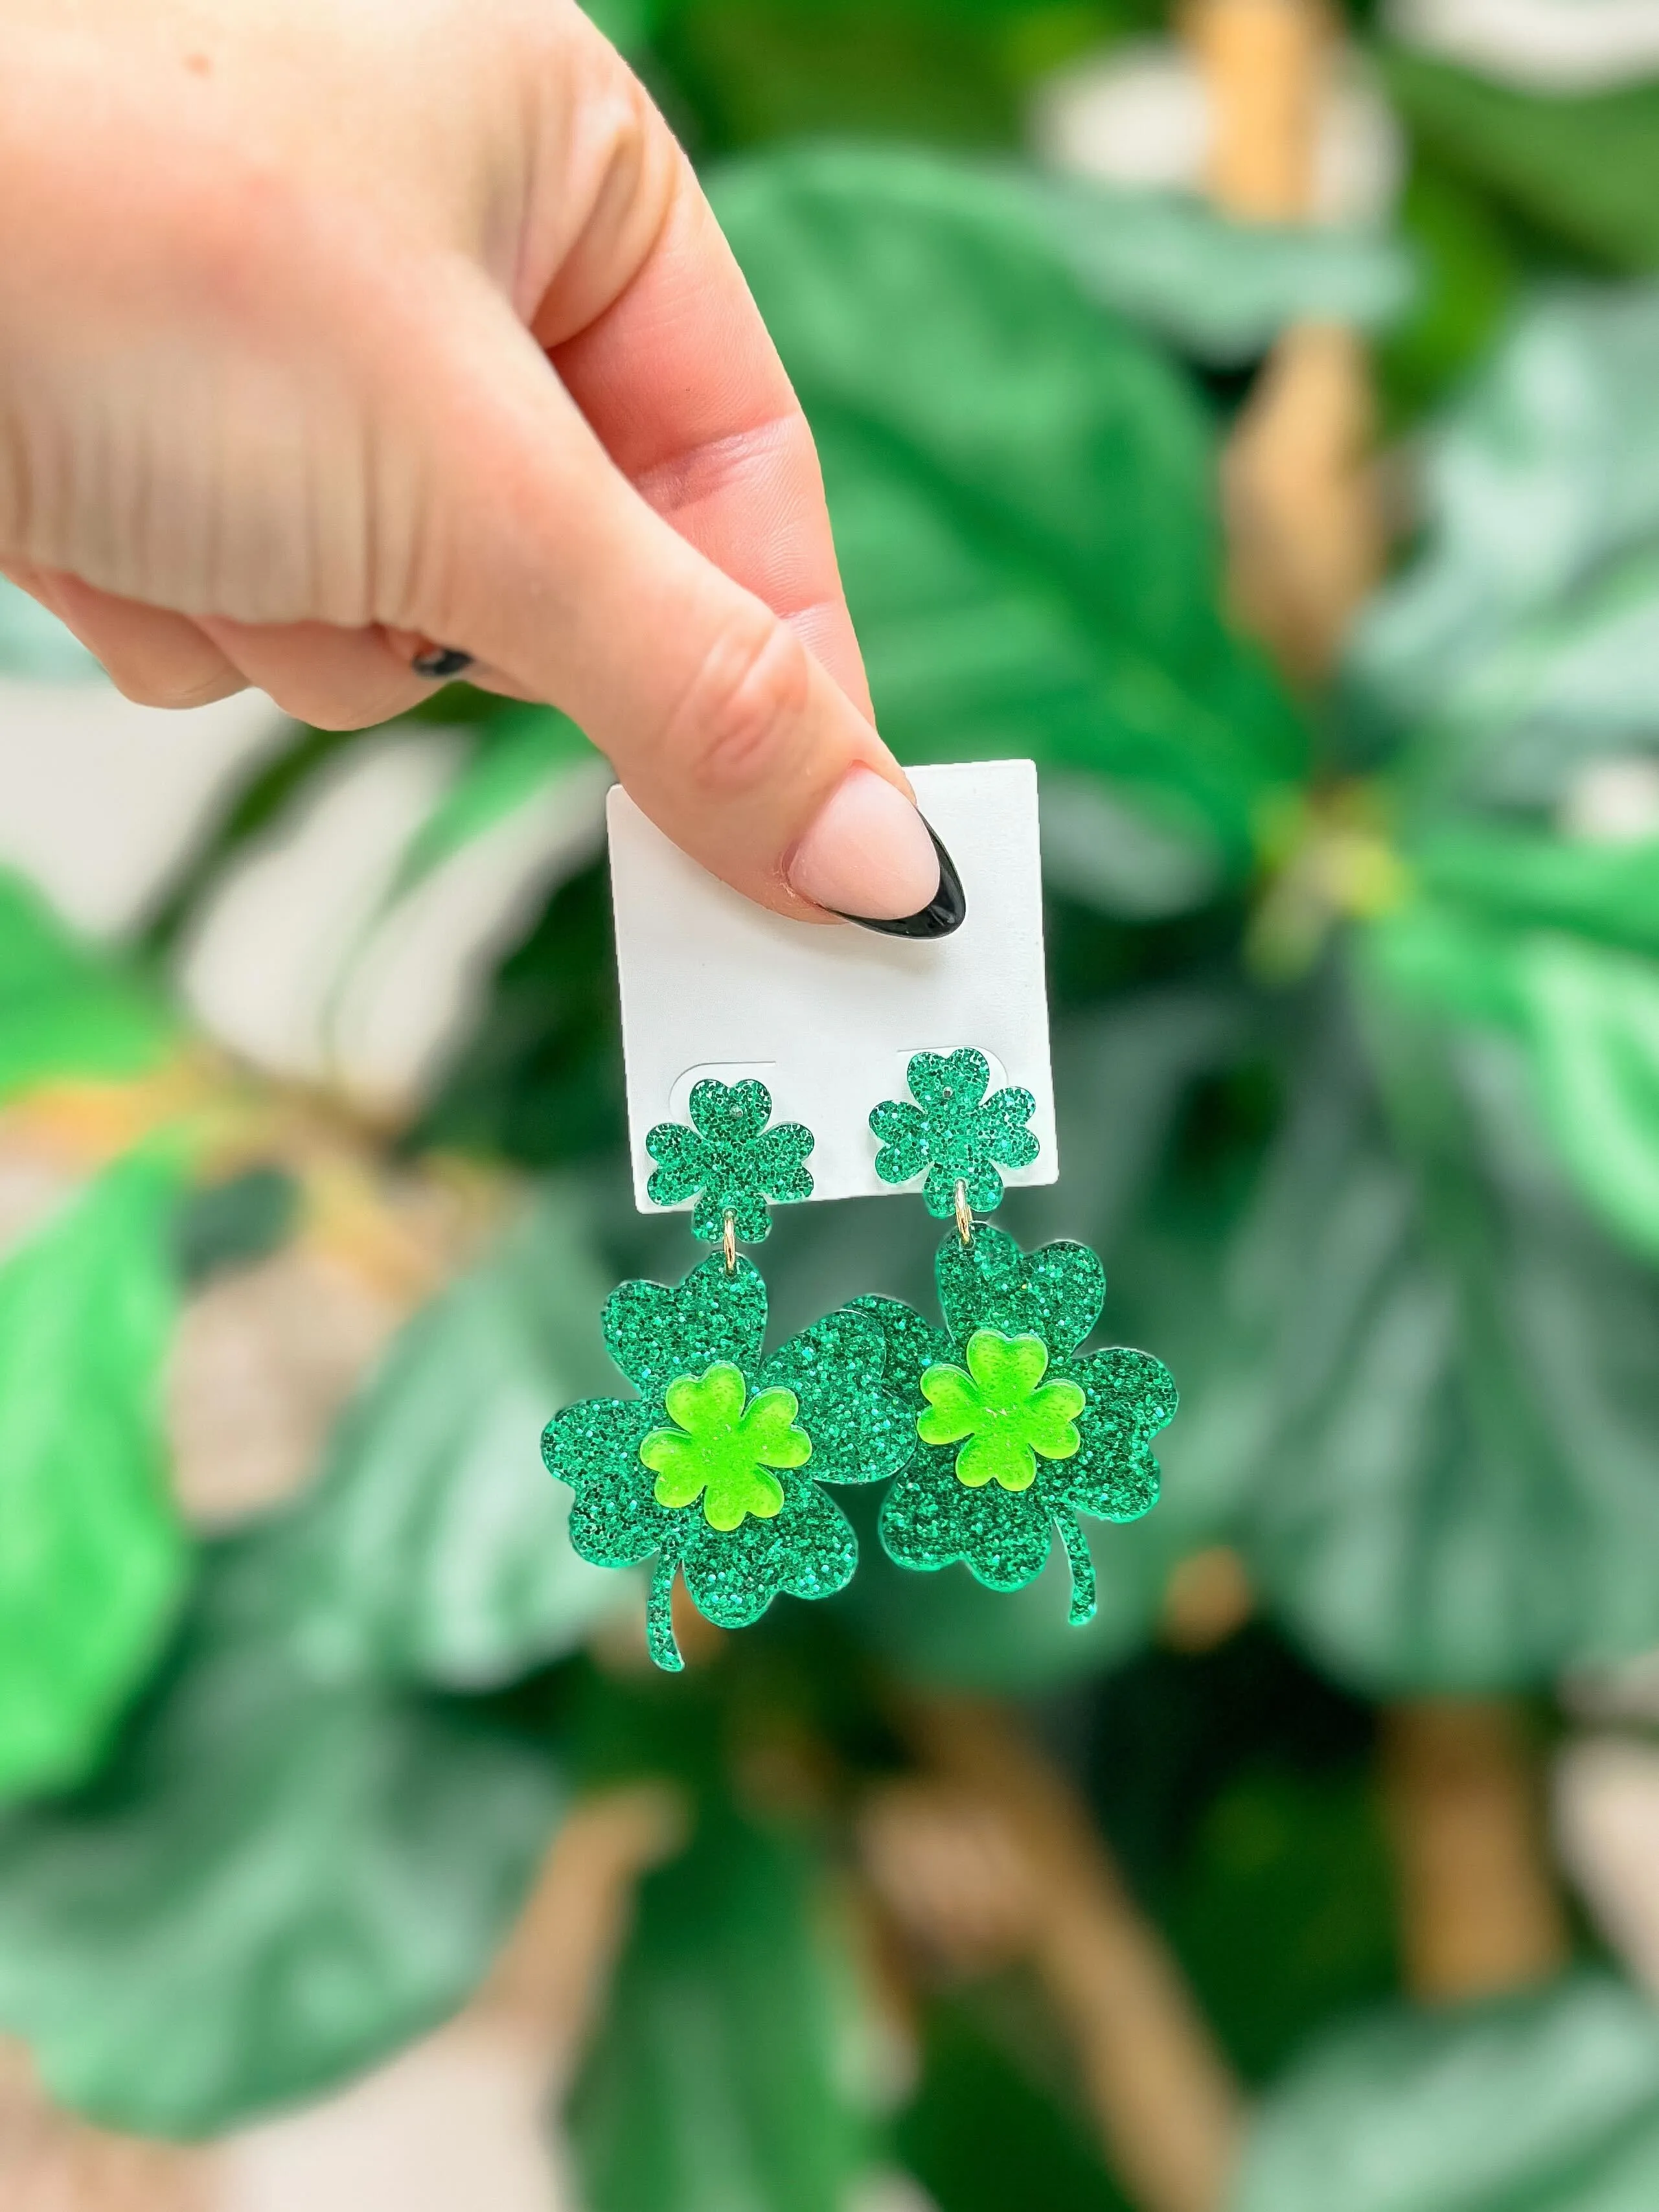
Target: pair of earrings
(993, 1431)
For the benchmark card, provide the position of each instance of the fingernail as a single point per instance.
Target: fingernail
(944, 913)
(869, 857)
(440, 662)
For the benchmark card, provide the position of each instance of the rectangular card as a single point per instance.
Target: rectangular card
(712, 985)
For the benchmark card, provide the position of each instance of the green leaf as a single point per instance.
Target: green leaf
(1547, 2102)
(1437, 956)
(1218, 289)
(1283, 1904)
(885, 68)
(540, 1080)
(987, 2129)
(1609, 893)
(1585, 167)
(518, 754)
(1521, 643)
(66, 1010)
(434, 1547)
(1530, 933)
(1023, 490)
(1440, 1399)
(1105, 855)
(627, 23)
(1518, 655)
(282, 1877)
(724, 2075)
(91, 1556)
(1594, 1036)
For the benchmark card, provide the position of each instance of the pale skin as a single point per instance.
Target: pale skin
(330, 330)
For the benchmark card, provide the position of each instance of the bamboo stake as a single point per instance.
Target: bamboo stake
(548, 1985)
(1265, 62)
(1300, 495)
(1480, 1911)
(1169, 2111)
(1301, 502)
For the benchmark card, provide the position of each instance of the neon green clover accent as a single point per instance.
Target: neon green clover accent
(729, 1161)
(720, 1451)
(953, 1131)
(1004, 1408)
(713, 1416)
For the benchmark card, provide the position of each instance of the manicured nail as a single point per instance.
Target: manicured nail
(869, 857)
(945, 912)
(440, 662)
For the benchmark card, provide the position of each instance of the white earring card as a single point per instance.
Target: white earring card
(828, 1017)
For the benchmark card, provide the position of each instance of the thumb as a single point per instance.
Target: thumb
(589, 552)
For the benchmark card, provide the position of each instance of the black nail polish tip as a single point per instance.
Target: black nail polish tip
(442, 662)
(943, 914)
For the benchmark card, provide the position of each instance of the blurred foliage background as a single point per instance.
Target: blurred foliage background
(1252, 416)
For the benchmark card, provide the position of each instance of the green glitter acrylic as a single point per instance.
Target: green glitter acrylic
(716, 1468)
(729, 1161)
(950, 1130)
(1019, 1430)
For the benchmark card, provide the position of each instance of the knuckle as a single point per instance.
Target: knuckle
(743, 705)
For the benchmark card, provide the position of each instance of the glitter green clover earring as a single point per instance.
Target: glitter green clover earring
(949, 1128)
(715, 1469)
(1018, 1430)
(730, 1162)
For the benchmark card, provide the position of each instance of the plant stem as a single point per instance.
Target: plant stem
(1264, 64)
(1305, 528)
(660, 1617)
(1168, 2107)
(1479, 1912)
(1084, 1594)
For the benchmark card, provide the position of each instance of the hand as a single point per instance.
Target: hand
(330, 329)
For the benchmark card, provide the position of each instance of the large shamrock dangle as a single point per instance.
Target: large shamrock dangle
(1019, 1430)
(729, 1161)
(950, 1127)
(716, 1467)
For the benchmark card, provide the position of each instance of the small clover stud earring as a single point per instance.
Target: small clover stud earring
(949, 1128)
(730, 1162)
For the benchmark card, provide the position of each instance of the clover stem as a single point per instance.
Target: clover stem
(660, 1617)
(1083, 1567)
